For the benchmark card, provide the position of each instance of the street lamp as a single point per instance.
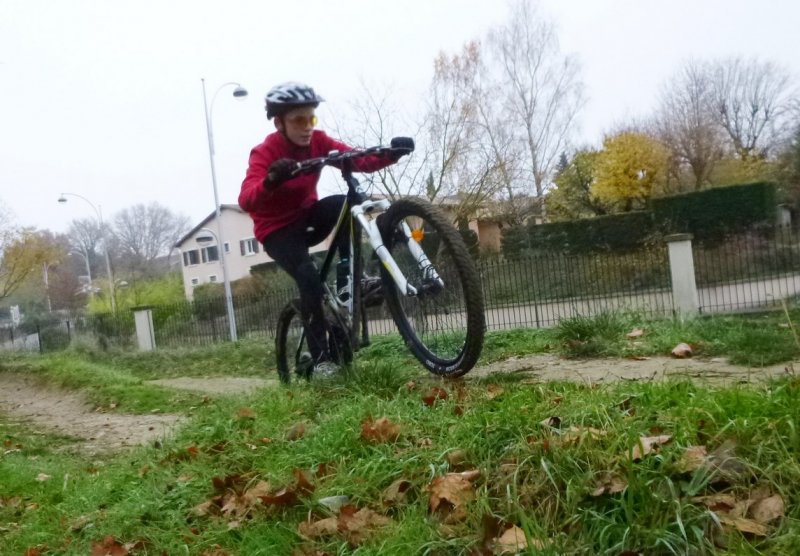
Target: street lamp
(99, 212)
(203, 241)
(238, 92)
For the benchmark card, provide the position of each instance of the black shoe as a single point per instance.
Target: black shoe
(372, 291)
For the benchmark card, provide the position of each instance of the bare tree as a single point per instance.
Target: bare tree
(86, 240)
(464, 164)
(753, 102)
(541, 89)
(685, 121)
(374, 118)
(145, 232)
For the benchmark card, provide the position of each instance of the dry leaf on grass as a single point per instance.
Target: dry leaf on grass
(296, 432)
(767, 509)
(456, 457)
(749, 515)
(693, 458)
(493, 391)
(512, 541)
(450, 494)
(396, 493)
(682, 351)
(245, 413)
(648, 444)
(745, 525)
(380, 430)
(635, 333)
(609, 484)
(109, 546)
(433, 395)
(354, 525)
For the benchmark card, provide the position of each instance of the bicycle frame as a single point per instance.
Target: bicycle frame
(358, 211)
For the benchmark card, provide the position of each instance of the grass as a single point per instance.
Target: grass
(538, 476)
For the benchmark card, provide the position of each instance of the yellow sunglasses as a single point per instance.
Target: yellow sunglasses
(302, 121)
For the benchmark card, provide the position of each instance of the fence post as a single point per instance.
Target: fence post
(681, 266)
(145, 333)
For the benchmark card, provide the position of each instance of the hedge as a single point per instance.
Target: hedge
(707, 214)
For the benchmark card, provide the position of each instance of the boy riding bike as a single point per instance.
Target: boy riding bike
(288, 216)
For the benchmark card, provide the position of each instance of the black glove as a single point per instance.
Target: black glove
(401, 146)
(279, 171)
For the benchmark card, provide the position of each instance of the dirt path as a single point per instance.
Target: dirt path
(66, 412)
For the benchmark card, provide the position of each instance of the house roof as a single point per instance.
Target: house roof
(205, 221)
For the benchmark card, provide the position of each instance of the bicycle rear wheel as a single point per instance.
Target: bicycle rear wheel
(444, 324)
(292, 354)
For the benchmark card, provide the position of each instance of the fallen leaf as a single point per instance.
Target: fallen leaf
(379, 431)
(42, 477)
(434, 394)
(718, 503)
(647, 444)
(693, 458)
(512, 541)
(450, 493)
(575, 435)
(456, 457)
(767, 509)
(245, 413)
(682, 351)
(354, 525)
(296, 432)
(609, 484)
(635, 333)
(745, 525)
(109, 547)
(493, 391)
(551, 422)
(396, 493)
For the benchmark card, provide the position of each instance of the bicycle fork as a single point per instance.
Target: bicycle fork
(370, 227)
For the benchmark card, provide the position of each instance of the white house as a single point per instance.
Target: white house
(200, 260)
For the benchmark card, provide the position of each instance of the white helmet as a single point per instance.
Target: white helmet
(287, 96)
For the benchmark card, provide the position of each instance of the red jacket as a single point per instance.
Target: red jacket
(272, 210)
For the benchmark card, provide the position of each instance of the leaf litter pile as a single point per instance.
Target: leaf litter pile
(481, 469)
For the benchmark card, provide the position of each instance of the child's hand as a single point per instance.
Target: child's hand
(279, 171)
(401, 146)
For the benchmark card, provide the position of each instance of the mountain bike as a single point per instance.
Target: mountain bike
(428, 282)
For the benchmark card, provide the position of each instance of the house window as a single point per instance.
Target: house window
(195, 281)
(227, 247)
(248, 247)
(191, 257)
(210, 254)
(212, 278)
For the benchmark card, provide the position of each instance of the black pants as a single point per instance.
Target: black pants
(288, 247)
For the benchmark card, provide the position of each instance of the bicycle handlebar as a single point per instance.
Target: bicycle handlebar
(335, 157)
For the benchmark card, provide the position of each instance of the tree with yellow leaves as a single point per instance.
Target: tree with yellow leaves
(631, 167)
(23, 252)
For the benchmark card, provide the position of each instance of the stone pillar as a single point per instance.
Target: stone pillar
(681, 266)
(145, 332)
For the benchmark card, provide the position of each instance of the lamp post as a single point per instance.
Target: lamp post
(205, 240)
(99, 212)
(238, 92)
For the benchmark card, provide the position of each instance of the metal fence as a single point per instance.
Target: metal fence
(748, 270)
(743, 271)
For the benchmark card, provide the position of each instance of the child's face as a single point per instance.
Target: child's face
(298, 125)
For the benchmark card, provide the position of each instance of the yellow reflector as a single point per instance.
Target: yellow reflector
(418, 234)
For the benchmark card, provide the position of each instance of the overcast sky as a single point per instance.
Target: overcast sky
(103, 98)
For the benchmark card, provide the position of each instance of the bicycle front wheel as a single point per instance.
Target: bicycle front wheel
(444, 323)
